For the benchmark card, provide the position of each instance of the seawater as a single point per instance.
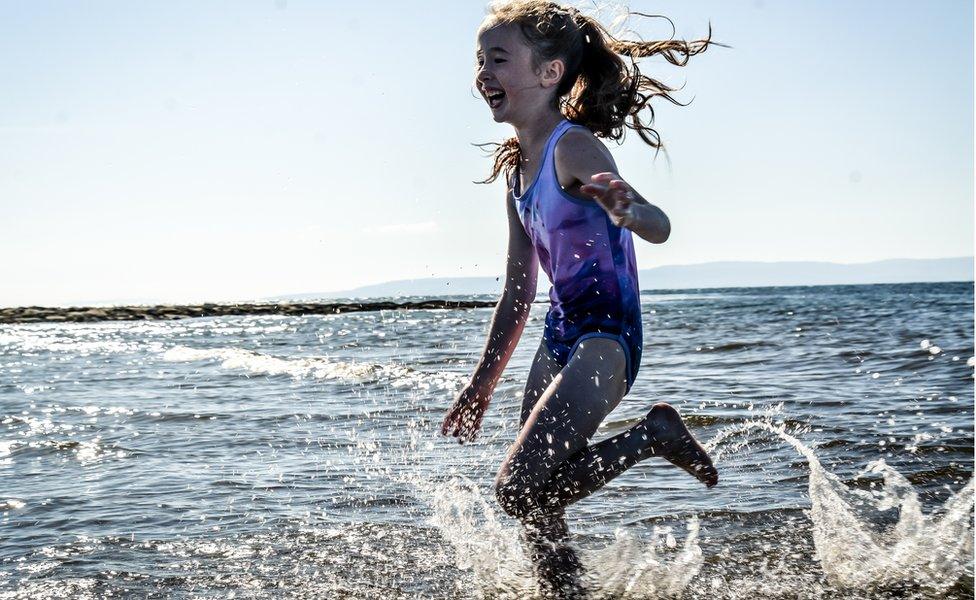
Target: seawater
(298, 457)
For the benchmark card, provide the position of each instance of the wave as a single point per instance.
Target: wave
(395, 375)
(733, 346)
(51, 341)
(85, 451)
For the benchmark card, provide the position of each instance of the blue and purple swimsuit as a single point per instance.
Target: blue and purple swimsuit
(590, 263)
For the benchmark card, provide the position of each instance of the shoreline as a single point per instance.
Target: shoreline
(169, 312)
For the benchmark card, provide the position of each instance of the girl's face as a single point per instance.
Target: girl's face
(507, 78)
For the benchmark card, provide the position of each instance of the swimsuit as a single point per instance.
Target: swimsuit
(590, 263)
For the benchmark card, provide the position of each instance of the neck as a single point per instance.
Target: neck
(534, 133)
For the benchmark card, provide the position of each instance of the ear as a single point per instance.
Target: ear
(552, 72)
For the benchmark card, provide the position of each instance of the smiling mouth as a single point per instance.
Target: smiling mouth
(494, 97)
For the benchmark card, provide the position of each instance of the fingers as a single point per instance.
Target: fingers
(594, 189)
(456, 424)
(450, 420)
(619, 185)
(452, 424)
(600, 193)
(614, 195)
(464, 417)
(472, 431)
(620, 192)
(604, 183)
(469, 426)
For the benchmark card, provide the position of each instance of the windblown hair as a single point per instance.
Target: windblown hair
(600, 89)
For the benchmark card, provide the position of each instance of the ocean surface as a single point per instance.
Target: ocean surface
(299, 457)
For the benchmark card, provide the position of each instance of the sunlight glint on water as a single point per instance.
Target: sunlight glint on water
(298, 457)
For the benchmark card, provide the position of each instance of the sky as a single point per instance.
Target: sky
(193, 151)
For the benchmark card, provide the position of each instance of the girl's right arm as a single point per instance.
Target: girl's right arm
(463, 420)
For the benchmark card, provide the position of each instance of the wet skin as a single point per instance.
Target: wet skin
(552, 464)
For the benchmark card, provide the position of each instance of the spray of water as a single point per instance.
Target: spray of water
(929, 552)
(492, 551)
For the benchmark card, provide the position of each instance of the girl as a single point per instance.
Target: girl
(554, 74)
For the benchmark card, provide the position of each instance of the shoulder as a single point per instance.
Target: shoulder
(579, 154)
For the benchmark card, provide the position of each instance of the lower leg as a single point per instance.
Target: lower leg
(662, 433)
(561, 412)
(556, 563)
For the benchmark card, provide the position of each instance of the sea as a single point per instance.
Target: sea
(300, 457)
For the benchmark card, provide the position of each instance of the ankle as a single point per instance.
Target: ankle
(649, 446)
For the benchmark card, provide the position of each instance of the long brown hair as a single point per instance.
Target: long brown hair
(600, 90)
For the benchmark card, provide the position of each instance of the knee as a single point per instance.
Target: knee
(515, 498)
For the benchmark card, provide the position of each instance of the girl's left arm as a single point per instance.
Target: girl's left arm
(582, 158)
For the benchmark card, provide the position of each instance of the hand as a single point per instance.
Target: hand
(463, 420)
(614, 195)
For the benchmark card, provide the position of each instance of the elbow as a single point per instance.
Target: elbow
(517, 301)
(518, 298)
(522, 303)
(665, 233)
(654, 226)
(520, 287)
(661, 233)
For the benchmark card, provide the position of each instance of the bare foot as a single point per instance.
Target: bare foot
(670, 439)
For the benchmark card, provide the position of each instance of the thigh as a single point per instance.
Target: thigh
(569, 412)
(543, 370)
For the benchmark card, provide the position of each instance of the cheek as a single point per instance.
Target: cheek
(521, 79)
(512, 79)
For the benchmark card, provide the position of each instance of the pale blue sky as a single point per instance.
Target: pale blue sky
(184, 151)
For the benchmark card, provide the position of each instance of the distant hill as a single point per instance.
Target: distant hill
(705, 275)
(759, 274)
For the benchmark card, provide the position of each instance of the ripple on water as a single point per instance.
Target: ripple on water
(298, 457)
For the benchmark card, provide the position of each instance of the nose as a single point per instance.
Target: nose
(482, 73)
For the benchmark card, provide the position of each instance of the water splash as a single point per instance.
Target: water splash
(930, 552)
(631, 568)
(491, 550)
(920, 555)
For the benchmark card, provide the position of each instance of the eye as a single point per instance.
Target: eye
(499, 60)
